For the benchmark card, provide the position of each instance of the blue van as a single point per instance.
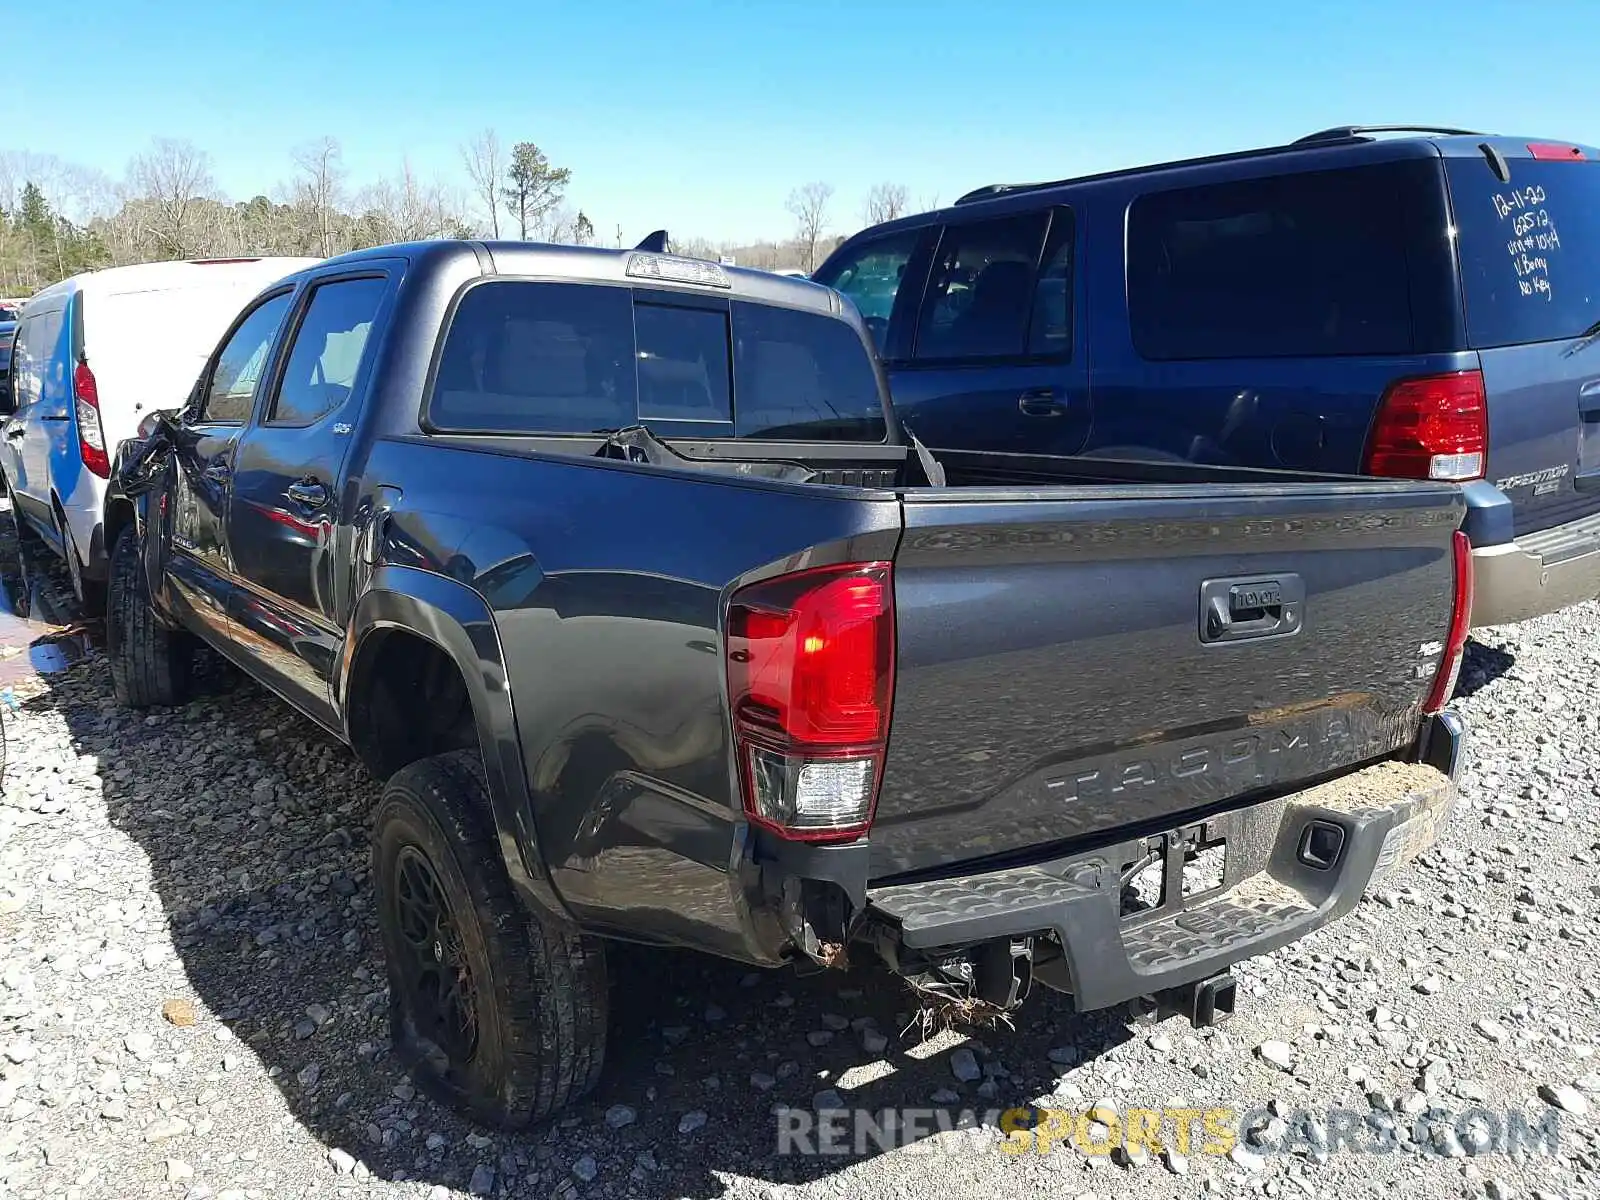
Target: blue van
(1423, 303)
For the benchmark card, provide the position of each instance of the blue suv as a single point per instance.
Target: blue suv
(1423, 304)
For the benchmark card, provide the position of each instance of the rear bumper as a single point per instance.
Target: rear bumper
(1269, 894)
(1537, 573)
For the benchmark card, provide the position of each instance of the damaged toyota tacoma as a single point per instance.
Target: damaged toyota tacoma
(620, 571)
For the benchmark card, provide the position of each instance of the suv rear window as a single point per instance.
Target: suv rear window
(1530, 249)
(1297, 265)
(570, 358)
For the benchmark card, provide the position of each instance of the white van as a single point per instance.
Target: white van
(94, 355)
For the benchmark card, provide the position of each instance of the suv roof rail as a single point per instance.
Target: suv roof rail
(989, 190)
(1343, 133)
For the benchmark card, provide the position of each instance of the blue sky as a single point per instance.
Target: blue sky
(701, 116)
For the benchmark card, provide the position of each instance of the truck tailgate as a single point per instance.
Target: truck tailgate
(1082, 660)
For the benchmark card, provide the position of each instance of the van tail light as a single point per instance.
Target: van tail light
(811, 660)
(1433, 427)
(1455, 649)
(91, 434)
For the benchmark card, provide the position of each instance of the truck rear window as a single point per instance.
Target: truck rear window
(1530, 249)
(559, 358)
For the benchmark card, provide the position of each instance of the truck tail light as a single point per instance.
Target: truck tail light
(1433, 427)
(91, 435)
(1444, 683)
(811, 660)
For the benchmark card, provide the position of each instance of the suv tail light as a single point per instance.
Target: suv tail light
(1444, 683)
(1556, 151)
(1433, 427)
(810, 683)
(91, 435)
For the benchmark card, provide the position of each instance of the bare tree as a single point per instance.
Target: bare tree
(885, 202)
(809, 207)
(533, 187)
(408, 210)
(174, 176)
(322, 175)
(556, 225)
(486, 167)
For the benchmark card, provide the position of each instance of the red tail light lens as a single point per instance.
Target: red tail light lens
(1444, 684)
(91, 435)
(810, 684)
(1435, 427)
(1555, 152)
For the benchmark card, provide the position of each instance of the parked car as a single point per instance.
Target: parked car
(94, 354)
(9, 316)
(1421, 306)
(617, 568)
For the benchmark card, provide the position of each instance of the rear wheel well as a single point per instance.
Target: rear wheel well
(408, 700)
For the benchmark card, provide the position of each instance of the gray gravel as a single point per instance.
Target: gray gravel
(216, 855)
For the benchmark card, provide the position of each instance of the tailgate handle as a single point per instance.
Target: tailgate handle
(1233, 610)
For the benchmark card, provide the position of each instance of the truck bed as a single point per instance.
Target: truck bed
(1054, 681)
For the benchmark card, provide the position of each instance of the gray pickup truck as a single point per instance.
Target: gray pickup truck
(619, 570)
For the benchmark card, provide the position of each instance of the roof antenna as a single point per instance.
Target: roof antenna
(655, 243)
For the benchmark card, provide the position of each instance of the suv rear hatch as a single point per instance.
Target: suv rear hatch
(1078, 662)
(1529, 249)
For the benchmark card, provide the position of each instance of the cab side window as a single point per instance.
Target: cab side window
(871, 275)
(231, 391)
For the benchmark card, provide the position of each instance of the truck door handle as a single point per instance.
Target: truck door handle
(307, 492)
(1041, 402)
(16, 431)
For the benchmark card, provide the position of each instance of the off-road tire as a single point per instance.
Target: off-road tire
(150, 664)
(538, 984)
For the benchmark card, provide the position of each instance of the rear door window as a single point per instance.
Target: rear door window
(328, 351)
(1530, 249)
(980, 296)
(39, 365)
(1300, 265)
(566, 358)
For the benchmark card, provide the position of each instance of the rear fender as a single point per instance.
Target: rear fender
(456, 619)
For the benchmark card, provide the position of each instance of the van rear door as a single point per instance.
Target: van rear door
(1529, 248)
(148, 347)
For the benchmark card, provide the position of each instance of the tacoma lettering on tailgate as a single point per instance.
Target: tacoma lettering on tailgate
(1216, 765)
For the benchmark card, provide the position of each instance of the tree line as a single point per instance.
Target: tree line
(58, 218)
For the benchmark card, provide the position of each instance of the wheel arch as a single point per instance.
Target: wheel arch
(404, 602)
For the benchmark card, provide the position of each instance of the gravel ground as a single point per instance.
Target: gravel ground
(192, 1002)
